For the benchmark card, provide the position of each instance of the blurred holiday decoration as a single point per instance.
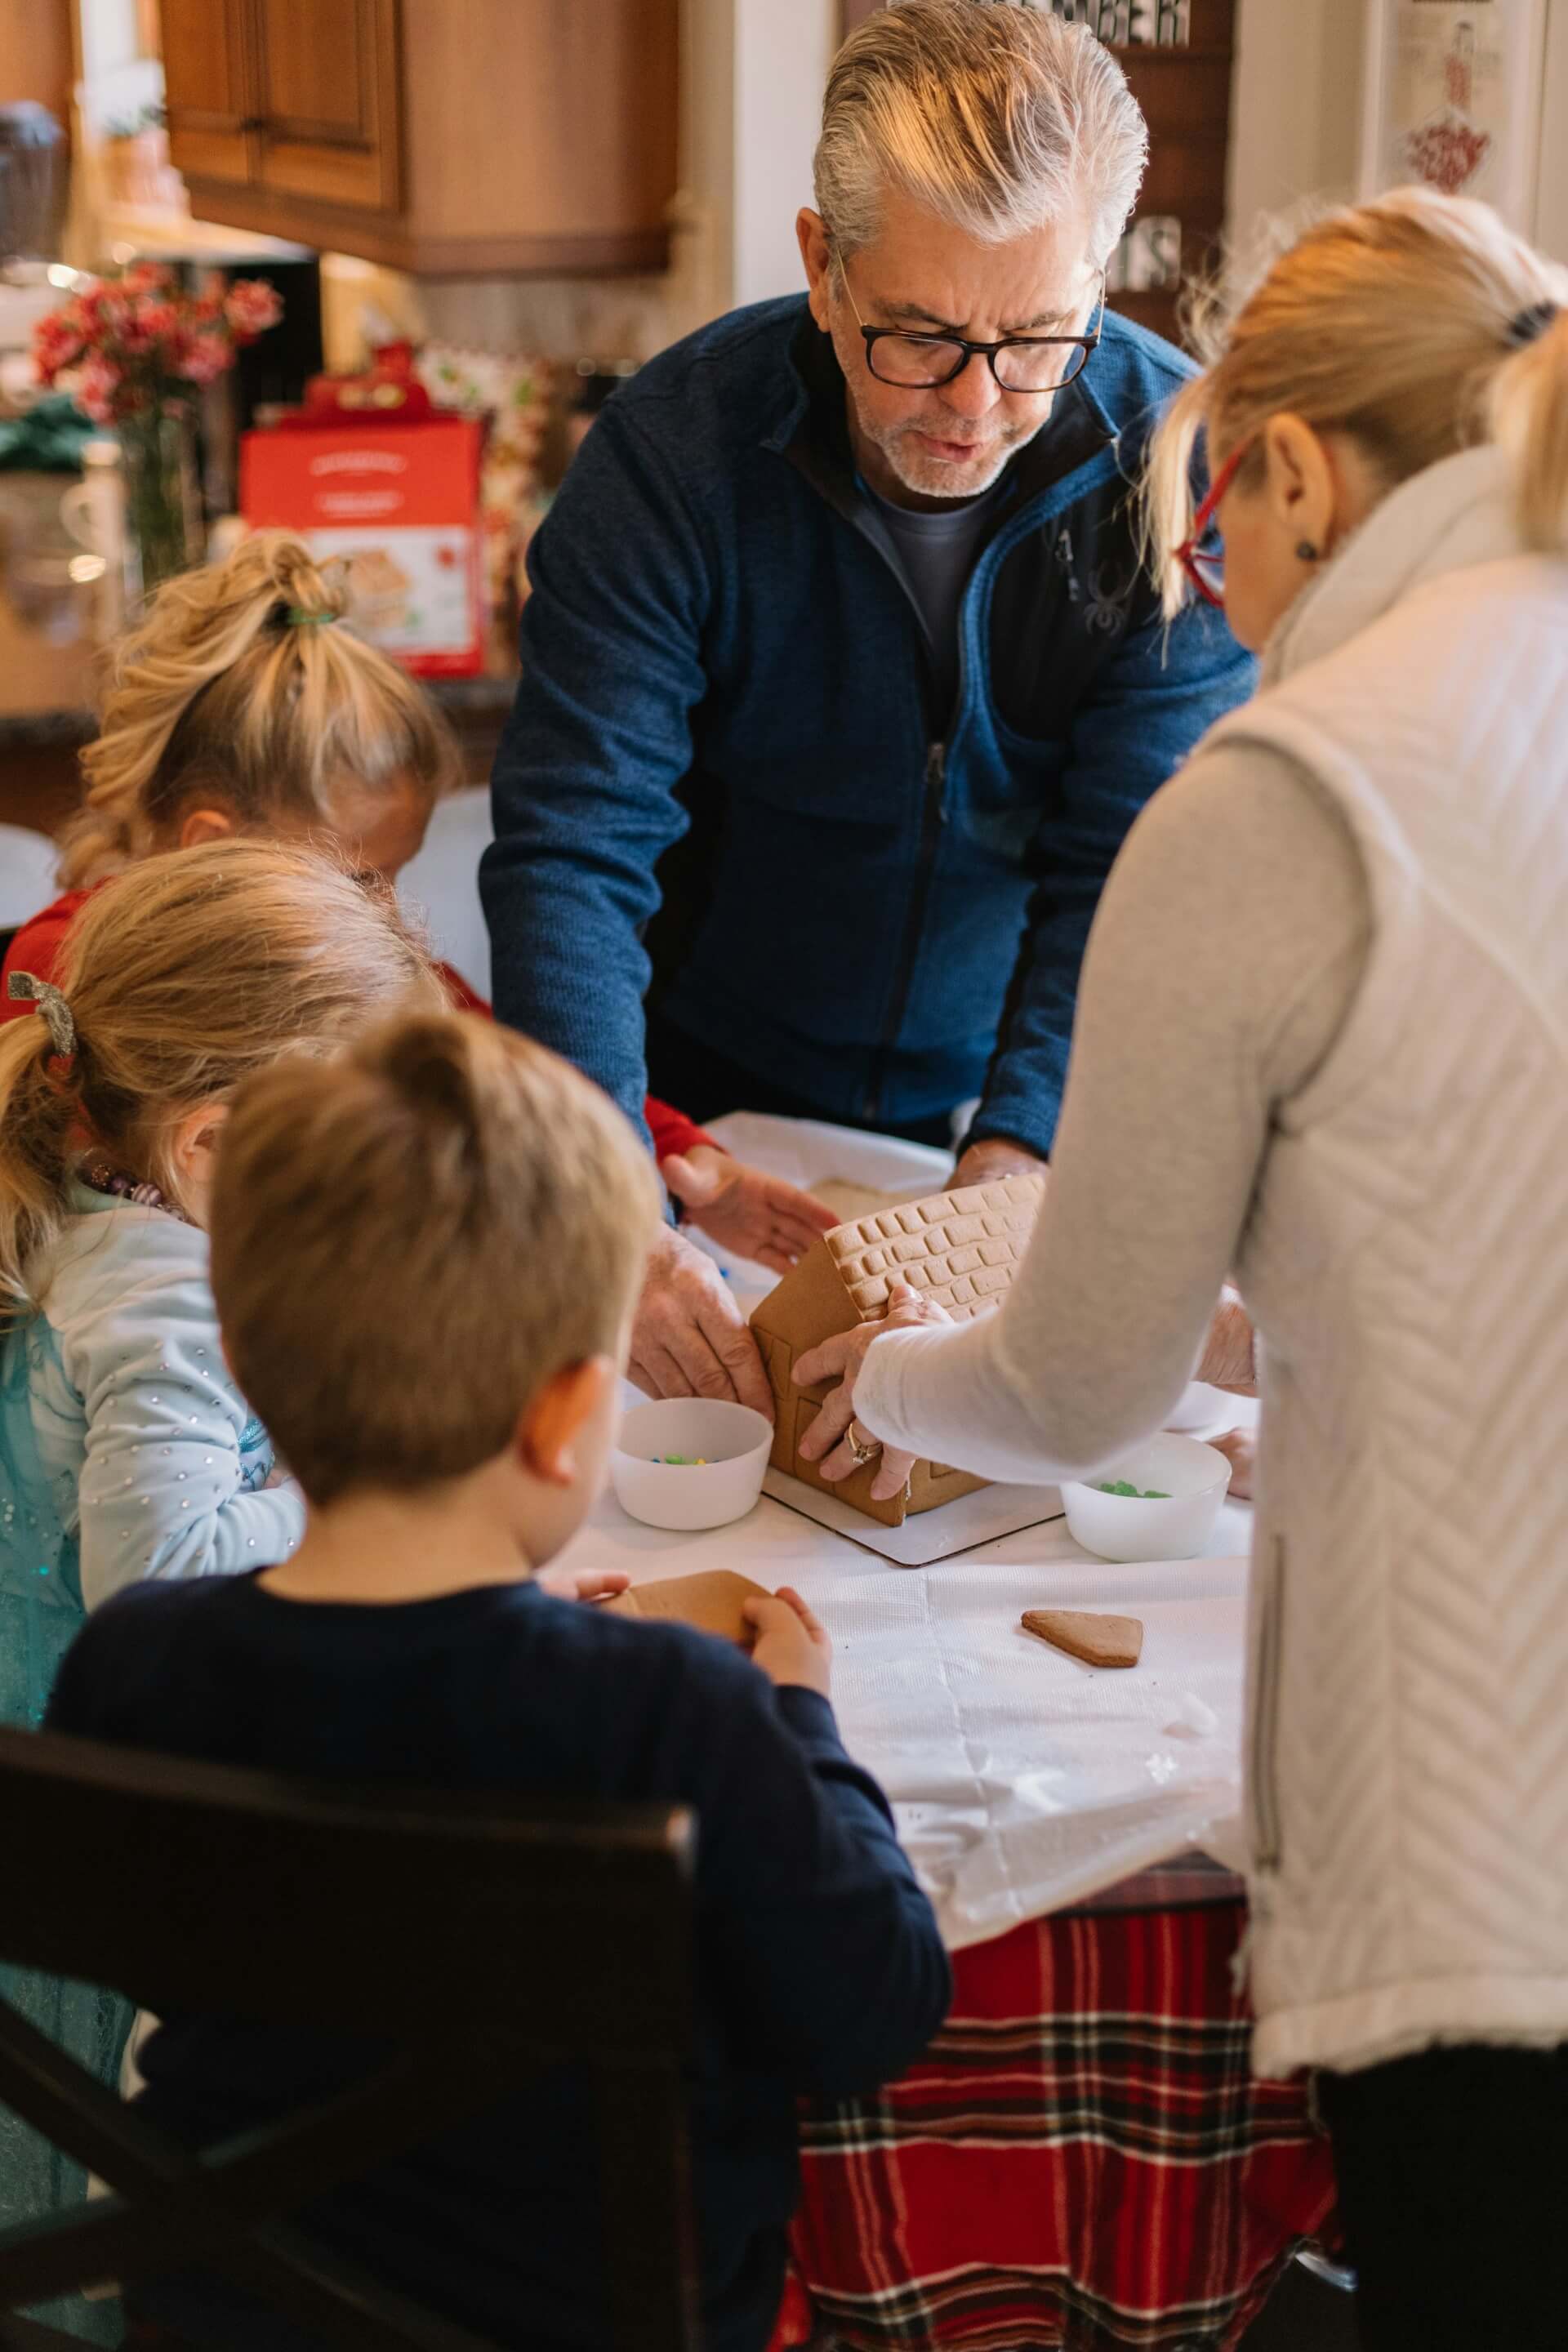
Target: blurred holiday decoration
(32, 182)
(1453, 99)
(136, 350)
(516, 393)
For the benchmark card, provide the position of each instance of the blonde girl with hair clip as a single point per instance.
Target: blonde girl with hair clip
(1323, 1039)
(126, 1450)
(243, 705)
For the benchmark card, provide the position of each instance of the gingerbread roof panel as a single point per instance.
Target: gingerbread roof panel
(958, 1248)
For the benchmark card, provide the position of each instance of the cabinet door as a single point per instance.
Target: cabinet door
(327, 96)
(207, 89)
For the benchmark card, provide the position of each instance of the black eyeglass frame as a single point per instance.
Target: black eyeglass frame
(1086, 343)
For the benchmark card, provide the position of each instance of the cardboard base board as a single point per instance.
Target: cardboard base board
(980, 1519)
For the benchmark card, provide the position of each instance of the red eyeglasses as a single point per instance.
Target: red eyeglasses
(1205, 569)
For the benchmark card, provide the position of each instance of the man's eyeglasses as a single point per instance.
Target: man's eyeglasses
(1018, 363)
(1205, 564)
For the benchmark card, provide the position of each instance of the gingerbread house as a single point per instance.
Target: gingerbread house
(961, 1248)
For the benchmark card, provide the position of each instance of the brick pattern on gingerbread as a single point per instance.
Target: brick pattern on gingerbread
(961, 1248)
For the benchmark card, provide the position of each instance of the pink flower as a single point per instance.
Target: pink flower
(56, 344)
(96, 388)
(251, 306)
(145, 278)
(153, 322)
(203, 358)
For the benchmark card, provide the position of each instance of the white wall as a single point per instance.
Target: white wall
(1296, 117)
(1296, 135)
(783, 49)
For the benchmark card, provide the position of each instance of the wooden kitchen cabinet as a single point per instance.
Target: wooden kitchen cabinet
(449, 137)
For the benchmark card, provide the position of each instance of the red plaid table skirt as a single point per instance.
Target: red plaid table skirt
(1082, 2159)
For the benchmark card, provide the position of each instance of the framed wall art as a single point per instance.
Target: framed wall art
(1453, 101)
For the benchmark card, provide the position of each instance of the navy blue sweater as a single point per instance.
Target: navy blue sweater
(877, 904)
(819, 1964)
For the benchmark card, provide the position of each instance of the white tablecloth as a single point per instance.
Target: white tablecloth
(1021, 1779)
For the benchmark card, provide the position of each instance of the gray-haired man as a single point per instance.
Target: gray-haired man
(843, 596)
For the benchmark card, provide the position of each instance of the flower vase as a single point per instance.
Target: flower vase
(163, 513)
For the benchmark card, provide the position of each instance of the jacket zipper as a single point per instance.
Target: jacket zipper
(1266, 1834)
(933, 816)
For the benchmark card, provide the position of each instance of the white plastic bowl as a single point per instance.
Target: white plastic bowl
(1195, 1478)
(733, 1442)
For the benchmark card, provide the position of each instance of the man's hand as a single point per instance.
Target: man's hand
(582, 1583)
(827, 1442)
(759, 1217)
(792, 1646)
(983, 1163)
(688, 1338)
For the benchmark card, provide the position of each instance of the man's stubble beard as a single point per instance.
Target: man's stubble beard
(929, 477)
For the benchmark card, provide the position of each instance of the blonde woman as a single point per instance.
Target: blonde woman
(243, 706)
(1324, 1039)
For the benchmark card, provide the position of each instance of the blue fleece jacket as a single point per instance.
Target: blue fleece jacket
(728, 720)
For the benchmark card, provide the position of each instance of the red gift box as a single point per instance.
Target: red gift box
(399, 503)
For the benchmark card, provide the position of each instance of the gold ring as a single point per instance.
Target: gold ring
(863, 1454)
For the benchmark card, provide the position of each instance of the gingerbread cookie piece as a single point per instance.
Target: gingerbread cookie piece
(1097, 1641)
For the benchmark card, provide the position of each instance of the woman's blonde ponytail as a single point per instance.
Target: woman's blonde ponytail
(1530, 422)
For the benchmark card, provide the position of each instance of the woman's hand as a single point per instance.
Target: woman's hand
(833, 1437)
(759, 1217)
(582, 1583)
(792, 1646)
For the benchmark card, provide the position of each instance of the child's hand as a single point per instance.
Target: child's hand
(1240, 1449)
(582, 1583)
(792, 1646)
(757, 1216)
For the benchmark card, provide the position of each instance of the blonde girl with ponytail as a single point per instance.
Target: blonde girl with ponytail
(126, 1450)
(245, 706)
(1323, 1041)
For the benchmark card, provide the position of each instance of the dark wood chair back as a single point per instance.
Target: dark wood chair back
(566, 1926)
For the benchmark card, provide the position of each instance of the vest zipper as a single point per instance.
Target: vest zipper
(1264, 1791)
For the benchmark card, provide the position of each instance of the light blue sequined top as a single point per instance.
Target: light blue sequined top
(125, 1449)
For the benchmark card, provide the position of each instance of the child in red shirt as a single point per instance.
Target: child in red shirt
(240, 706)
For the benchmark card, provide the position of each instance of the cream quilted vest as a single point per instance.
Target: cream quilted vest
(1406, 1262)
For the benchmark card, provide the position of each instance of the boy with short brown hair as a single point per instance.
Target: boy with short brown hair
(425, 1256)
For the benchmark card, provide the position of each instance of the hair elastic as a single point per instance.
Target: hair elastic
(22, 988)
(299, 618)
(1532, 324)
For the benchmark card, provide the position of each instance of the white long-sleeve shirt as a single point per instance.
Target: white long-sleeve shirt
(1227, 953)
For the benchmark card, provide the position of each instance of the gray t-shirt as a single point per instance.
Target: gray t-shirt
(934, 552)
